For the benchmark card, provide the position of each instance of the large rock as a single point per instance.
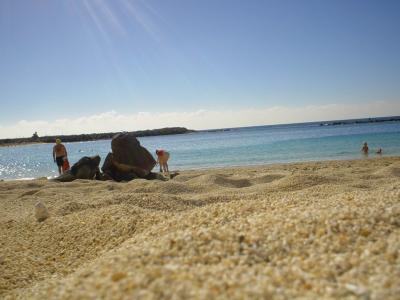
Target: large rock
(86, 168)
(128, 159)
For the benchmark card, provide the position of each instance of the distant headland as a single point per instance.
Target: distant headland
(36, 139)
(361, 121)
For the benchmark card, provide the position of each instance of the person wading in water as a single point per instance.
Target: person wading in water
(364, 149)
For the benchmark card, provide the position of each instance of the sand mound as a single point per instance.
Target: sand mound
(72, 207)
(59, 245)
(392, 170)
(220, 180)
(252, 233)
(267, 178)
(299, 182)
(168, 187)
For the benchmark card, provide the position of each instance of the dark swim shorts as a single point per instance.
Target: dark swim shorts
(60, 161)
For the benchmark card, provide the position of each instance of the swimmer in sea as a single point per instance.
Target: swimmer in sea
(364, 149)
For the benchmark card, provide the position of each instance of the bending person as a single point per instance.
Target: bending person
(162, 159)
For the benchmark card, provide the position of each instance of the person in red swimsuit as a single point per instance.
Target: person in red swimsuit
(162, 160)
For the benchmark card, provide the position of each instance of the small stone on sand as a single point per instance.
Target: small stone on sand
(41, 212)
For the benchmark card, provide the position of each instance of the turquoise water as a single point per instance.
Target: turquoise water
(232, 147)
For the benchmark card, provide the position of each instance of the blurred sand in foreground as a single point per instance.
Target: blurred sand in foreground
(306, 230)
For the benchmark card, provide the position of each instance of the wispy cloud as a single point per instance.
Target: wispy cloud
(200, 119)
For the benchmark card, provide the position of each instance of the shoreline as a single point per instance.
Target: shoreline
(315, 230)
(221, 168)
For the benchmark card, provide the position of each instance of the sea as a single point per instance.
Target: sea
(258, 145)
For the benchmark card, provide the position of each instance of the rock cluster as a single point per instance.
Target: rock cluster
(128, 160)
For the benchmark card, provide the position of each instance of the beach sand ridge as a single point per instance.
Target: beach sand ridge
(303, 230)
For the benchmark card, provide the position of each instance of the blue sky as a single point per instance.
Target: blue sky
(162, 63)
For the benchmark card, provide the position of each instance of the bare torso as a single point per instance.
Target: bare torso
(59, 150)
(365, 149)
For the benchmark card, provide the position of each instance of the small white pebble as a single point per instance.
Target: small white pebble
(41, 212)
(358, 290)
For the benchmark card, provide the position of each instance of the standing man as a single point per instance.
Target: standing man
(162, 159)
(59, 154)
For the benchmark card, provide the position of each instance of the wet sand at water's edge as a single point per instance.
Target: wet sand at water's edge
(306, 230)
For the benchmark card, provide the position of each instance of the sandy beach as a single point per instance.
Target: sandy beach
(316, 230)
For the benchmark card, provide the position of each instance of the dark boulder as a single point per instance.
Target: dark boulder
(128, 159)
(86, 168)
